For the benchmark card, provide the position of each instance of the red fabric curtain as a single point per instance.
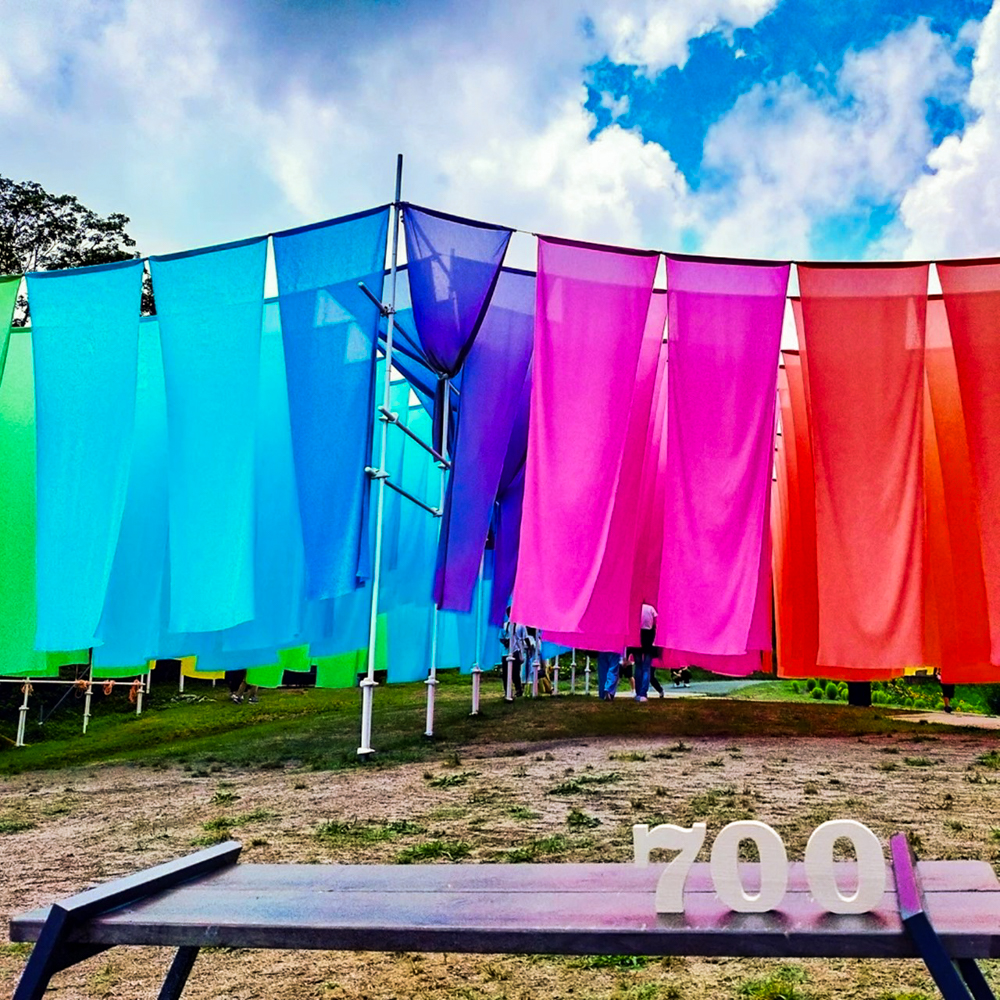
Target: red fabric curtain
(863, 331)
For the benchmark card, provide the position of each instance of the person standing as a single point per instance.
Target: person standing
(647, 636)
(608, 665)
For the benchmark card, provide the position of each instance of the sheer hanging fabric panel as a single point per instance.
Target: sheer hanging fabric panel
(724, 330)
(863, 335)
(85, 340)
(590, 317)
(209, 306)
(328, 329)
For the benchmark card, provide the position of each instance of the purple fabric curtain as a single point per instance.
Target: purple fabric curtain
(453, 266)
(492, 381)
(507, 510)
(591, 316)
(724, 329)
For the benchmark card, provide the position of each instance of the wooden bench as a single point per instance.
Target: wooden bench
(946, 912)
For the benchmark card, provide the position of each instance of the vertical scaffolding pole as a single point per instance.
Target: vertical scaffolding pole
(90, 690)
(368, 685)
(586, 677)
(23, 710)
(572, 673)
(431, 681)
(477, 673)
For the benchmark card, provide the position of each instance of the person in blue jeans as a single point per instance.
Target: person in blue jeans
(607, 675)
(644, 659)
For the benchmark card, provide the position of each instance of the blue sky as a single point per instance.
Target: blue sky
(782, 128)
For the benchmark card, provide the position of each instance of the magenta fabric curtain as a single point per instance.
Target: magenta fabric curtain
(724, 330)
(591, 315)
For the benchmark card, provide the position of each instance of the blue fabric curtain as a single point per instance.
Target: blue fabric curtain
(329, 327)
(133, 616)
(209, 306)
(279, 559)
(492, 383)
(85, 326)
(453, 266)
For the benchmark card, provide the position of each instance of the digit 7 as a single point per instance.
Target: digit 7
(666, 836)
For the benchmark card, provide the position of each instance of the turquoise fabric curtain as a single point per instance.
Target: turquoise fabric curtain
(85, 331)
(210, 305)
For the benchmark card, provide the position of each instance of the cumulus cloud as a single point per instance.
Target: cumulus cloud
(654, 35)
(953, 210)
(786, 158)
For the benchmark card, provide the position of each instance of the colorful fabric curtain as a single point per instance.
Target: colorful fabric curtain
(957, 601)
(494, 377)
(591, 316)
(209, 306)
(134, 614)
(85, 328)
(18, 617)
(971, 299)
(724, 330)
(453, 266)
(329, 328)
(9, 285)
(279, 558)
(863, 331)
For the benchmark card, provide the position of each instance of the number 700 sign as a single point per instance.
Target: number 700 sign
(724, 868)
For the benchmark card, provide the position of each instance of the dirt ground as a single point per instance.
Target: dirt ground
(566, 801)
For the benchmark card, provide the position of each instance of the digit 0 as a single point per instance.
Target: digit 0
(773, 867)
(820, 869)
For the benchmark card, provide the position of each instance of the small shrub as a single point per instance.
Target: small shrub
(991, 698)
(816, 693)
(810, 683)
(832, 691)
(433, 850)
(579, 820)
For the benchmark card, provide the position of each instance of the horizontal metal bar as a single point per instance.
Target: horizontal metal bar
(393, 418)
(409, 496)
(384, 310)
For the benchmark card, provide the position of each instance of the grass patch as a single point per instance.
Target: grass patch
(918, 761)
(367, 832)
(630, 755)
(224, 797)
(449, 780)
(783, 984)
(434, 850)
(583, 784)
(609, 962)
(317, 728)
(15, 825)
(522, 812)
(990, 759)
(579, 820)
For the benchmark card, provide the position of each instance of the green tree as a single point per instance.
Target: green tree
(42, 232)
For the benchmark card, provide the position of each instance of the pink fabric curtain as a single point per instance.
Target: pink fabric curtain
(863, 332)
(586, 439)
(972, 301)
(724, 331)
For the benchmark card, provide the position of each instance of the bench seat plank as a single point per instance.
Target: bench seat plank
(552, 908)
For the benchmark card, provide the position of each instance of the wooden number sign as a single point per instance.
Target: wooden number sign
(724, 866)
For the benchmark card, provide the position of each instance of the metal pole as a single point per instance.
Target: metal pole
(139, 694)
(180, 680)
(572, 673)
(555, 677)
(477, 674)
(534, 675)
(368, 685)
(23, 713)
(509, 690)
(431, 681)
(90, 689)
(586, 677)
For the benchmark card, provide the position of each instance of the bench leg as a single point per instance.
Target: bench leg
(177, 974)
(974, 979)
(937, 960)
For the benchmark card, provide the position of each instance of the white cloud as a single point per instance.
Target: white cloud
(792, 158)
(654, 35)
(954, 211)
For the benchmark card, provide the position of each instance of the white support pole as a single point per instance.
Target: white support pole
(509, 689)
(555, 676)
(87, 700)
(572, 673)
(138, 697)
(23, 710)
(368, 685)
(149, 681)
(180, 680)
(586, 677)
(431, 681)
(534, 675)
(477, 673)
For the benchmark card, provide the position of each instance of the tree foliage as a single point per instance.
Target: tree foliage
(44, 232)
(41, 231)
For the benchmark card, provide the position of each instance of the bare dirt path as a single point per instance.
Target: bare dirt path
(564, 801)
